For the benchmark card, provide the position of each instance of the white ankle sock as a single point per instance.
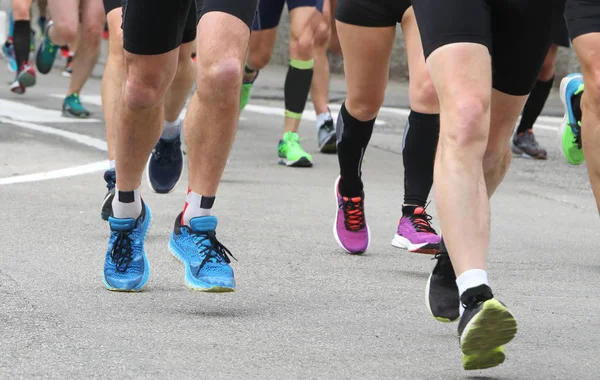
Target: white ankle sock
(127, 204)
(197, 205)
(111, 164)
(322, 118)
(470, 279)
(171, 129)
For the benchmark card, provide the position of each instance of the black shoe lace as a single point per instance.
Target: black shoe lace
(215, 252)
(354, 216)
(577, 135)
(122, 252)
(422, 222)
(165, 152)
(328, 124)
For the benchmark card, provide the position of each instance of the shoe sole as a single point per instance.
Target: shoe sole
(520, 152)
(150, 182)
(303, 162)
(66, 113)
(424, 248)
(146, 275)
(106, 210)
(196, 285)
(335, 234)
(484, 360)
(494, 326)
(437, 318)
(329, 146)
(26, 79)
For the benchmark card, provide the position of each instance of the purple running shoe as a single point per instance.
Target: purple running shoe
(415, 233)
(350, 227)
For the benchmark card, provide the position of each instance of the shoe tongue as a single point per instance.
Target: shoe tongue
(125, 224)
(203, 223)
(354, 199)
(419, 210)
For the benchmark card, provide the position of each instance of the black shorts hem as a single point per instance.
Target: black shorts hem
(455, 39)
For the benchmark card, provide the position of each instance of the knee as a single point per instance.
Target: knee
(469, 132)
(145, 86)
(67, 32)
(91, 36)
(301, 46)
(258, 58)
(364, 107)
(322, 34)
(423, 97)
(224, 75)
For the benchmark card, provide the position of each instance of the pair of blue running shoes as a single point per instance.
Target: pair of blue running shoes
(205, 259)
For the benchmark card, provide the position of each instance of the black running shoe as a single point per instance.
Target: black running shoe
(111, 179)
(165, 165)
(485, 326)
(441, 292)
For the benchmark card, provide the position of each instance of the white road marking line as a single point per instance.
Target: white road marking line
(77, 137)
(55, 174)
(24, 112)
(277, 111)
(61, 173)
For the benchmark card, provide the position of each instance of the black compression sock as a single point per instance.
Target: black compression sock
(297, 86)
(535, 104)
(418, 155)
(352, 139)
(22, 39)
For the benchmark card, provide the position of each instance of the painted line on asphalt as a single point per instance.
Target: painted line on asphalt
(24, 112)
(60, 173)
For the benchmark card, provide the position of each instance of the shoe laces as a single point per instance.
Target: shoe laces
(421, 221)
(576, 128)
(165, 151)
(110, 180)
(122, 251)
(354, 216)
(328, 125)
(214, 252)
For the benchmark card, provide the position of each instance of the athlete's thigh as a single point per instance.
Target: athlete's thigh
(64, 12)
(92, 13)
(366, 29)
(524, 30)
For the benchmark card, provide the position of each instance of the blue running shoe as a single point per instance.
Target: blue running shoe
(165, 165)
(206, 260)
(126, 267)
(8, 51)
(46, 53)
(570, 131)
(110, 177)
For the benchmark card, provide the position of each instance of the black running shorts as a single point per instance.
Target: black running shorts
(560, 33)
(517, 34)
(109, 5)
(158, 26)
(371, 13)
(583, 17)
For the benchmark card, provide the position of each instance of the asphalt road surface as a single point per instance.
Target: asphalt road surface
(304, 309)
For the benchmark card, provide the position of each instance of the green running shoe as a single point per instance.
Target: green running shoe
(291, 153)
(570, 130)
(245, 93)
(72, 107)
(46, 53)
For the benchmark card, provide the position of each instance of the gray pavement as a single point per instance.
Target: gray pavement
(304, 309)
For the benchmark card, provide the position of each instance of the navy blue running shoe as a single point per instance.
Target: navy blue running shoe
(165, 165)
(126, 267)
(205, 259)
(111, 179)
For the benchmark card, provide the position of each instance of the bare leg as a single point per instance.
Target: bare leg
(112, 79)
(588, 51)
(182, 84)
(320, 83)
(212, 118)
